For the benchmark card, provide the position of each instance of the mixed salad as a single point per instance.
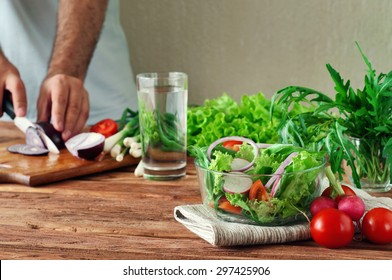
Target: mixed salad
(267, 183)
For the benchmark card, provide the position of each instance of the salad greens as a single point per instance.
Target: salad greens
(223, 116)
(331, 124)
(298, 183)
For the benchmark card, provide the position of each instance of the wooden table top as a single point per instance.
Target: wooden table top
(115, 215)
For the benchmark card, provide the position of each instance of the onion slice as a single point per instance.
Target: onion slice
(87, 145)
(33, 137)
(278, 173)
(54, 135)
(27, 150)
(263, 145)
(235, 138)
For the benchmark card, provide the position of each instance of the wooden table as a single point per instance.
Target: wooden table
(115, 215)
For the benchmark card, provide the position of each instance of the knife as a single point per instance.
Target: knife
(23, 123)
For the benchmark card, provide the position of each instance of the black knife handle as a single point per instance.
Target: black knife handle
(8, 107)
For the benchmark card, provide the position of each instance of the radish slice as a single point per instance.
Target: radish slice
(235, 138)
(86, 145)
(235, 183)
(27, 150)
(239, 164)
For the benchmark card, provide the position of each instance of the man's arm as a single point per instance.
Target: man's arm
(78, 28)
(63, 96)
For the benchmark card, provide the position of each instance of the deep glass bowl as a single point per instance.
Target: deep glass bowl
(290, 204)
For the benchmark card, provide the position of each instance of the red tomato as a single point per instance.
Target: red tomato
(347, 191)
(377, 225)
(232, 145)
(332, 228)
(225, 205)
(106, 127)
(258, 192)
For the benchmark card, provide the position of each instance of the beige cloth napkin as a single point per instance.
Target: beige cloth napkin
(202, 221)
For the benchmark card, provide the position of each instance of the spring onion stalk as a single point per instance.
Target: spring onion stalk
(128, 141)
(131, 129)
(120, 156)
(139, 170)
(136, 153)
(115, 151)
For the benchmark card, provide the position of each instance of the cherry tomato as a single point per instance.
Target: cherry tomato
(332, 228)
(232, 145)
(347, 191)
(106, 127)
(258, 192)
(225, 205)
(377, 225)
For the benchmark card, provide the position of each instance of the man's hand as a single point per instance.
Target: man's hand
(10, 79)
(64, 100)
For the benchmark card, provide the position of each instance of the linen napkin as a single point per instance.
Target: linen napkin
(202, 220)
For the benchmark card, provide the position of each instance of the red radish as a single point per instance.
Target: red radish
(86, 145)
(353, 206)
(320, 203)
(236, 182)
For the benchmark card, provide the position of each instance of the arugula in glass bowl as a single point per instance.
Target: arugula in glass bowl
(335, 125)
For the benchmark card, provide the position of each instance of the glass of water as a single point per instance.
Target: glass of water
(162, 100)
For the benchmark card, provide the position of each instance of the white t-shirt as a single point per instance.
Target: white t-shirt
(27, 32)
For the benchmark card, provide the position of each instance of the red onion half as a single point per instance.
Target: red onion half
(87, 145)
(235, 138)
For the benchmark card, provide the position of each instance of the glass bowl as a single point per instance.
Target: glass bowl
(371, 165)
(289, 205)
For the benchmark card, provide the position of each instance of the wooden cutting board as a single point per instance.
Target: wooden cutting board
(39, 170)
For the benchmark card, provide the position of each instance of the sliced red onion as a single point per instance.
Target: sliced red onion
(33, 138)
(263, 145)
(52, 133)
(278, 173)
(235, 138)
(27, 150)
(87, 145)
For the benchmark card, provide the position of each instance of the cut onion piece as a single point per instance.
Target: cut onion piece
(263, 145)
(235, 138)
(87, 145)
(27, 150)
(237, 182)
(33, 138)
(280, 171)
(52, 133)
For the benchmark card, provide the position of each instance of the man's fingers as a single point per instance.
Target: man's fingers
(14, 84)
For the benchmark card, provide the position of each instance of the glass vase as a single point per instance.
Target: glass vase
(371, 166)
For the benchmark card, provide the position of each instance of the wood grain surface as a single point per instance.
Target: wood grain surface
(115, 215)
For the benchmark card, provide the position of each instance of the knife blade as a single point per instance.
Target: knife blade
(23, 123)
